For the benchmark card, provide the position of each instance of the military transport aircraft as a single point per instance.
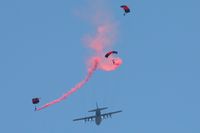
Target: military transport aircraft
(98, 116)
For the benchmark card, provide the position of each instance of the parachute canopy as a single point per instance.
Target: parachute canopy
(35, 100)
(111, 52)
(126, 9)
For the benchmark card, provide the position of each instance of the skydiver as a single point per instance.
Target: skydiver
(113, 60)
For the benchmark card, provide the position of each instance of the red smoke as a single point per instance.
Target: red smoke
(77, 86)
(102, 41)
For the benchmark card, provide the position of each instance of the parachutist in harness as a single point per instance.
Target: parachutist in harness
(35, 101)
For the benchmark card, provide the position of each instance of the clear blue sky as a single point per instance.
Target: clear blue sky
(42, 54)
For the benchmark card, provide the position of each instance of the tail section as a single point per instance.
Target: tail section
(94, 110)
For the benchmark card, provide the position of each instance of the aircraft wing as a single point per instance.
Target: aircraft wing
(86, 118)
(110, 113)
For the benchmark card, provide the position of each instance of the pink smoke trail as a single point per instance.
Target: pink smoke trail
(78, 86)
(103, 40)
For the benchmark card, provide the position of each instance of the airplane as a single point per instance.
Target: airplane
(98, 116)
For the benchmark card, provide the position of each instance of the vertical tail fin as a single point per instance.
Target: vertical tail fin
(97, 105)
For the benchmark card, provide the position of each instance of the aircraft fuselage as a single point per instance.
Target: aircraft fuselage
(98, 117)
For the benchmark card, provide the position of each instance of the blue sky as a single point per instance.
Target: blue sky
(42, 54)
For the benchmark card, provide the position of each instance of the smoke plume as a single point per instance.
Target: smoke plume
(100, 42)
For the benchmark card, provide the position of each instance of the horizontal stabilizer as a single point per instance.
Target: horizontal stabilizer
(94, 110)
